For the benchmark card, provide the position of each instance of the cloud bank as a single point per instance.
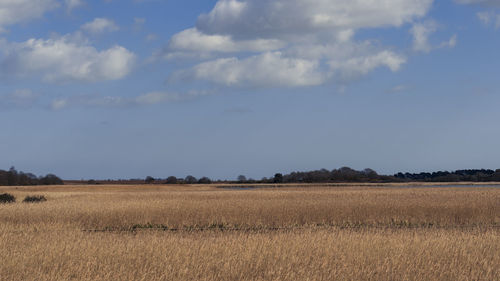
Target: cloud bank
(291, 43)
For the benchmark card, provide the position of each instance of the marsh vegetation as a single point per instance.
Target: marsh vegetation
(205, 233)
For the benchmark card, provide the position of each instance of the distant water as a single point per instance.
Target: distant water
(251, 187)
(240, 187)
(450, 186)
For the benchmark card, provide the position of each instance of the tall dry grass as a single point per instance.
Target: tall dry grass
(103, 207)
(354, 233)
(292, 255)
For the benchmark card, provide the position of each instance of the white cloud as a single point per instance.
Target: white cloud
(488, 18)
(264, 18)
(291, 43)
(356, 66)
(421, 33)
(451, 43)
(268, 69)
(65, 58)
(17, 11)
(100, 25)
(73, 4)
(300, 65)
(192, 40)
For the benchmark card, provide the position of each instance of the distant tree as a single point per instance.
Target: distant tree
(149, 180)
(4, 178)
(171, 180)
(12, 178)
(32, 178)
(346, 174)
(242, 178)
(278, 178)
(369, 173)
(22, 179)
(51, 179)
(204, 180)
(190, 179)
(496, 176)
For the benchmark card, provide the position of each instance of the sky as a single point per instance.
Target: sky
(98, 89)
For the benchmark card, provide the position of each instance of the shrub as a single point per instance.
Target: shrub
(171, 180)
(149, 180)
(35, 199)
(205, 180)
(190, 180)
(51, 179)
(7, 198)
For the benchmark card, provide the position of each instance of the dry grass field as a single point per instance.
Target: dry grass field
(290, 233)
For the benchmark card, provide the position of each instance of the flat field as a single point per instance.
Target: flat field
(288, 233)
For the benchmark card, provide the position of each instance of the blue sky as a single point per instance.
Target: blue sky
(129, 88)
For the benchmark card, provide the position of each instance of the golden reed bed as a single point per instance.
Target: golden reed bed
(206, 233)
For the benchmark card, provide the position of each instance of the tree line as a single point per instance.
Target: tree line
(14, 178)
(348, 175)
(482, 175)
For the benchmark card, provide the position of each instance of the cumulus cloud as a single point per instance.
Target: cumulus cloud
(268, 69)
(65, 59)
(356, 66)
(304, 65)
(193, 41)
(12, 12)
(73, 4)
(421, 33)
(100, 25)
(346, 59)
(291, 17)
(291, 43)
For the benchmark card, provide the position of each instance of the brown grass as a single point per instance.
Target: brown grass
(204, 233)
